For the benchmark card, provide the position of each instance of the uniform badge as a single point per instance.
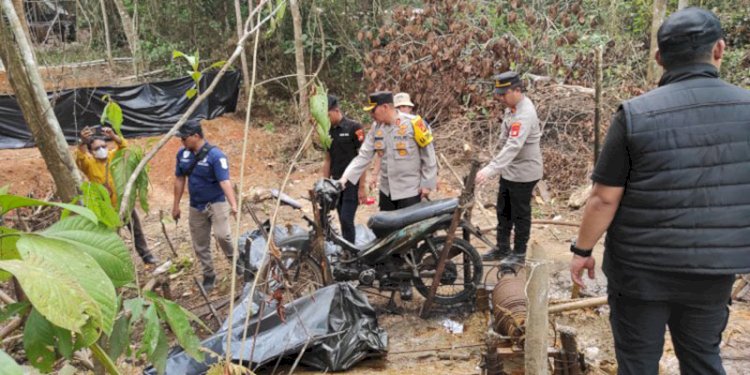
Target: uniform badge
(360, 134)
(402, 130)
(379, 133)
(401, 148)
(378, 145)
(515, 129)
(403, 152)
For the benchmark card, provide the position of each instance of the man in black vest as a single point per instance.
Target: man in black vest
(672, 191)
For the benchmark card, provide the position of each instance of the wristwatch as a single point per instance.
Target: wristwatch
(580, 252)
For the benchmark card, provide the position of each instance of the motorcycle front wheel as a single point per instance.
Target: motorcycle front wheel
(462, 274)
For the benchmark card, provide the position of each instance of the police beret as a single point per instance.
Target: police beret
(189, 128)
(378, 98)
(688, 29)
(505, 81)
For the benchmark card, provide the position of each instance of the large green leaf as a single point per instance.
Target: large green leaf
(112, 113)
(123, 165)
(319, 111)
(18, 308)
(159, 357)
(8, 250)
(120, 337)
(11, 202)
(104, 245)
(135, 306)
(39, 342)
(79, 265)
(54, 293)
(152, 326)
(65, 342)
(8, 365)
(96, 198)
(179, 322)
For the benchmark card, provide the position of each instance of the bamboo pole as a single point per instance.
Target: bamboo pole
(537, 320)
(582, 304)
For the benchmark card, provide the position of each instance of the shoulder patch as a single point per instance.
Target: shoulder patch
(360, 134)
(223, 162)
(515, 129)
(422, 133)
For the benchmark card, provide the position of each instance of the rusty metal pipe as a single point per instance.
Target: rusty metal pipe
(509, 306)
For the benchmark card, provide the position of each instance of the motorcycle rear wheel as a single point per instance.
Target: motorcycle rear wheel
(462, 275)
(304, 274)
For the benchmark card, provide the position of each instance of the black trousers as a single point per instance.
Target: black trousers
(514, 212)
(347, 209)
(638, 327)
(141, 246)
(387, 204)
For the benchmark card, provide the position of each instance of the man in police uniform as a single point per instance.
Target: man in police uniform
(346, 138)
(519, 165)
(409, 167)
(672, 191)
(206, 170)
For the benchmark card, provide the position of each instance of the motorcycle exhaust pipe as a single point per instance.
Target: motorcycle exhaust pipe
(509, 306)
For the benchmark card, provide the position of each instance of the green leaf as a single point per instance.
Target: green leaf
(96, 198)
(159, 357)
(65, 345)
(104, 245)
(151, 330)
(11, 202)
(9, 365)
(179, 322)
(177, 54)
(39, 342)
(191, 93)
(120, 337)
(4, 190)
(196, 76)
(216, 65)
(123, 165)
(135, 306)
(54, 293)
(113, 114)
(319, 111)
(82, 267)
(8, 250)
(18, 308)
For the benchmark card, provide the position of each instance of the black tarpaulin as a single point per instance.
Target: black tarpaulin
(336, 325)
(148, 109)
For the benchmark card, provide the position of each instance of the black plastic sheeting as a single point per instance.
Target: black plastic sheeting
(148, 109)
(336, 326)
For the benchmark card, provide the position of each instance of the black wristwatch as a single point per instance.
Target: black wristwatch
(580, 252)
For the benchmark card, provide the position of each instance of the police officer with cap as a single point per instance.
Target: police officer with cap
(519, 164)
(672, 191)
(205, 169)
(404, 142)
(346, 138)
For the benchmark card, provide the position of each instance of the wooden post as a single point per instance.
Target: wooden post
(28, 86)
(581, 304)
(537, 321)
(467, 196)
(106, 33)
(243, 57)
(569, 353)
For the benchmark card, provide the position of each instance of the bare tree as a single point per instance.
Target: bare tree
(299, 56)
(243, 57)
(682, 4)
(20, 63)
(659, 11)
(130, 34)
(106, 33)
(21, 12)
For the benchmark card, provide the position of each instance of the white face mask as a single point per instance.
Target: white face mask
(101, 153)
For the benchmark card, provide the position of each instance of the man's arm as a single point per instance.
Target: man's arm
(226, 187)
(359, 164)
(326, 172)
(375, 172)
(515, 139)
(179, 188)
(428, 169)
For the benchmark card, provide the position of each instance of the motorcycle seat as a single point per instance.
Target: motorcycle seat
(384, 223)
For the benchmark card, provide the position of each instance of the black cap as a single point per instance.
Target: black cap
(378, 98)
(333, 102)
(505, 81)
(688, 29)
(189, 128)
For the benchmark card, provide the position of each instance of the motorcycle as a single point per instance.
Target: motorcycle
(404, 252)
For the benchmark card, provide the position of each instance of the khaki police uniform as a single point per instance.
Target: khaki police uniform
(406, 167)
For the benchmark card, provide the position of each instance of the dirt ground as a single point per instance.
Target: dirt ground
(416, 346)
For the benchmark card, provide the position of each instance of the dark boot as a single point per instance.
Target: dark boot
(208, 283)
(150, 259)
(502, 249)
(497, 253)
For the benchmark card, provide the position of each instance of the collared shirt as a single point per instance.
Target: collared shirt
(203, 182)
(520, 159)
(405, 167)
(99, 171)
(346, 138)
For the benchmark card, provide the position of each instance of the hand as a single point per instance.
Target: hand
(86, 134)
(481, 178)
(176, 213)
(234, 211)
(342, 183)
(577, 265)
(109, 132)
(373, 184)
(362, 193)
(424, 193)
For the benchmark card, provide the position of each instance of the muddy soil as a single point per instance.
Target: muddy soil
(416, 346)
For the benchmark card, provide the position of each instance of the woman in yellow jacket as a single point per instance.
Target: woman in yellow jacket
(94, 159)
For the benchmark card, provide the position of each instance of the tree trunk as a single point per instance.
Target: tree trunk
(21, 12)
(106, 33)
(243, 57)
(659, 11)
(682, 4)
(299, 56)
(130, 34)
(537, 321)
(20, 63)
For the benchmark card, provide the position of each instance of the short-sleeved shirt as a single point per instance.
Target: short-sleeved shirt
(346, 138)
(203, 182)
(613, 169)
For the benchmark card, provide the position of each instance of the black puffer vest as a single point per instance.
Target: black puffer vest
(686, 206)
